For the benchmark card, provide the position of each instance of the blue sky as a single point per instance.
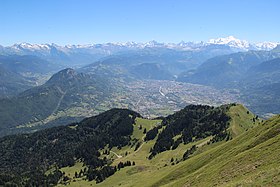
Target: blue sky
(99, 21)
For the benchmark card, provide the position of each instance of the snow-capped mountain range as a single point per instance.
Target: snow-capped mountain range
(243, 44)
(79, 55)
(230, 41)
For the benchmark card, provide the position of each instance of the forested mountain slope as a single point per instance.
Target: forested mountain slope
(120, 148)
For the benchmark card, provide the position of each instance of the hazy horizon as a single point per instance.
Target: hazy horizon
(137, 42)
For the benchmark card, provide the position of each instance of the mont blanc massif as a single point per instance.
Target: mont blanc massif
(140, 114)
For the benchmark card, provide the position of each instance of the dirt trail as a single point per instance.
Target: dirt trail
(118, 156)
(143, 142)
(203, 143)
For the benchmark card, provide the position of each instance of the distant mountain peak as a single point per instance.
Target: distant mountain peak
(242, 44)
(266, 46)
(231, 41)
(31, 47)
(277, 48)
(224, 40)
(65, 77)
(68, 72)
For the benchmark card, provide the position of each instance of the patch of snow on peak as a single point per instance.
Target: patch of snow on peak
(266, 46)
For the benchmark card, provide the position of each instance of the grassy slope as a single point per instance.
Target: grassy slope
(254, 160)
(209, 166)
(133, 176)
(241, 119)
